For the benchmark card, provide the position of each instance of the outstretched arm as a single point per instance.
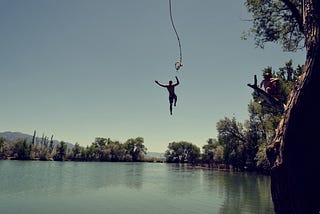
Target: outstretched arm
(177, 81)
(159, 83)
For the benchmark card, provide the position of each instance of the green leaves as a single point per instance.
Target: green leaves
(104, 149)
(276, 21)
(182, 152)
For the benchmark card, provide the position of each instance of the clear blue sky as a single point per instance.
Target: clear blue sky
(80, 69)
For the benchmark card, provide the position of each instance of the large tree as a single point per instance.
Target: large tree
(293, 154)
(135, 148)
(264, 119)
(231, 137)
(182, 152)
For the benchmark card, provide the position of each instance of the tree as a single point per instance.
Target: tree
(208, 152)
(213, 153)
(101, 151)
(51, 145)
(135, 148)
(193, 154)
(34, 137)
(22, 150)
(117, 150)
(263, 120)
(231, 136)
(43, 152)
(61, 151)
(260, 130)
(182, 152)
(2, 144)
(76, 152)
(293, 153)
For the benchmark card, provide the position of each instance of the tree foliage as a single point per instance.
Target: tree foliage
(213, 153)
(182, 152)
(102, 149)
(243, 145)
(277, 21)
(135, 149)
(61, 152)
(231, 136)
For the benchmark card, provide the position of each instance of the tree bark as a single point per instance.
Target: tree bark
(295, 151)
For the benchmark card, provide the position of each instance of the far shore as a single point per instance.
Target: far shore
(217, 167)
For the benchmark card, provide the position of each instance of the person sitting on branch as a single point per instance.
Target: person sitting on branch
(270, 84)
(271, 95)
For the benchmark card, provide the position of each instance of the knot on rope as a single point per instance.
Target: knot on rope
(178, 65)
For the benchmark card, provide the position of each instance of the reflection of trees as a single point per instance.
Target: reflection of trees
(55, 178)
(181, 179)
(229, 192)
(106, 175)
(174, 184)
(133, 177)
(245, 193)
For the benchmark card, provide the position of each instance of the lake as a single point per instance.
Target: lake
(34, 187)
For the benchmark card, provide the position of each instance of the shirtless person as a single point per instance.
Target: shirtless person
(271, 85)
(172, 95)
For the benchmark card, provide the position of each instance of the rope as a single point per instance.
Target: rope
(178, 64)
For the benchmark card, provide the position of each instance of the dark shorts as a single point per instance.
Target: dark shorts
(172, 97)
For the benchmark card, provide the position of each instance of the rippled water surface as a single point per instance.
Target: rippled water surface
(116, 188)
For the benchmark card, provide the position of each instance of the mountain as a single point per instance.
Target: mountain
(13, 136)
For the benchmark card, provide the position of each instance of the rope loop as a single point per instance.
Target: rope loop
(178, 65)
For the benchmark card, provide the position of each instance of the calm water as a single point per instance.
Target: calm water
(119, 188)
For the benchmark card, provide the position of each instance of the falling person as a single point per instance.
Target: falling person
(172, 95)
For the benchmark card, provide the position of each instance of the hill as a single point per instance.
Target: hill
(14, 136)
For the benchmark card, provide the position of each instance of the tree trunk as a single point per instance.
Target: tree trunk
(295, 151)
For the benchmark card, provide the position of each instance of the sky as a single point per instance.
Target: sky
(81, 69)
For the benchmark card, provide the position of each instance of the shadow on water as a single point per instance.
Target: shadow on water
(243, 192)
(230, 192)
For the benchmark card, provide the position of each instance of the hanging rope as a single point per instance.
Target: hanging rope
(178, 64)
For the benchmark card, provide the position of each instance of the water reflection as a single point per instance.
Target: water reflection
(245, 193)
(68, 177)
(128, 188)
(180, 180)
(231, 192)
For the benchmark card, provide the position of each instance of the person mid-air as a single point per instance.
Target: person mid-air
(172, 95)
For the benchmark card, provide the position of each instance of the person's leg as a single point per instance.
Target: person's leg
(170, 101)
(175, 100)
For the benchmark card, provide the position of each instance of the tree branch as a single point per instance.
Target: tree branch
(295, 13)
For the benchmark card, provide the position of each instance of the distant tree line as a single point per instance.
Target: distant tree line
(102, 149)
